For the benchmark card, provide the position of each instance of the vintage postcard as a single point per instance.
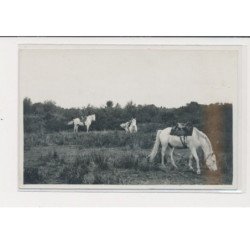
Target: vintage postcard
(128, 117)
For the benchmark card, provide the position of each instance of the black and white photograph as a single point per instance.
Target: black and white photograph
(124, 124)
(127, 115)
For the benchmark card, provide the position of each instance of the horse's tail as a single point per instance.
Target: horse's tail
(70, 123)
(156, 146)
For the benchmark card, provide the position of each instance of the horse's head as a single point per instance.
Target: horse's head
(93, 117)
(211, 162)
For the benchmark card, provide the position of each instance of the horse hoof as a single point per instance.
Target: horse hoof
(198, 172)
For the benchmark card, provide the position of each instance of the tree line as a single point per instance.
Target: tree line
(48, 117)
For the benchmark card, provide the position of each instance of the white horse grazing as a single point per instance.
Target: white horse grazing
(196, 140)
(125, 126)
(130, 126)
(81, 122)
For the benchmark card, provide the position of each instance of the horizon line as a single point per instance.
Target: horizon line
(123, 106)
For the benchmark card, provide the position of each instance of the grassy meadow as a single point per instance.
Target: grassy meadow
(53, 154)
(112, 157)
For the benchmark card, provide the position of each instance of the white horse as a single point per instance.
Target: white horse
(81, 122)
(125, 126)
(193, 142)
(130, 126)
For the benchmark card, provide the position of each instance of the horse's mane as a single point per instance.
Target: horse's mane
(200, 133)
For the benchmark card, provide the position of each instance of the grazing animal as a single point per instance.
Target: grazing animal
(193, 142)
(81, 122)
(125, 126)
(130, 126)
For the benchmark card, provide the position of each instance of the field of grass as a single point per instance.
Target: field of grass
(110, 157)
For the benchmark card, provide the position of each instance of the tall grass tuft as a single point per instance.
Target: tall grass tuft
(104, 139)
(100, 167)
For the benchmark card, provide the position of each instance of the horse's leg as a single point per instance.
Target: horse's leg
(194, 153)
(172, 158)
(190, 162)
(87, 128)
(163, 151)
(126, 129)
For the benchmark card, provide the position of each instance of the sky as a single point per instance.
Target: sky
(163, 76)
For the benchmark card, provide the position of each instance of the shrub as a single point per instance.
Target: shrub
(33, 176)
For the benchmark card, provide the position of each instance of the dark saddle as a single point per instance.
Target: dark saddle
(182, 129)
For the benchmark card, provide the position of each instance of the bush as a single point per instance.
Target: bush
(33, 176)
(52, 118)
